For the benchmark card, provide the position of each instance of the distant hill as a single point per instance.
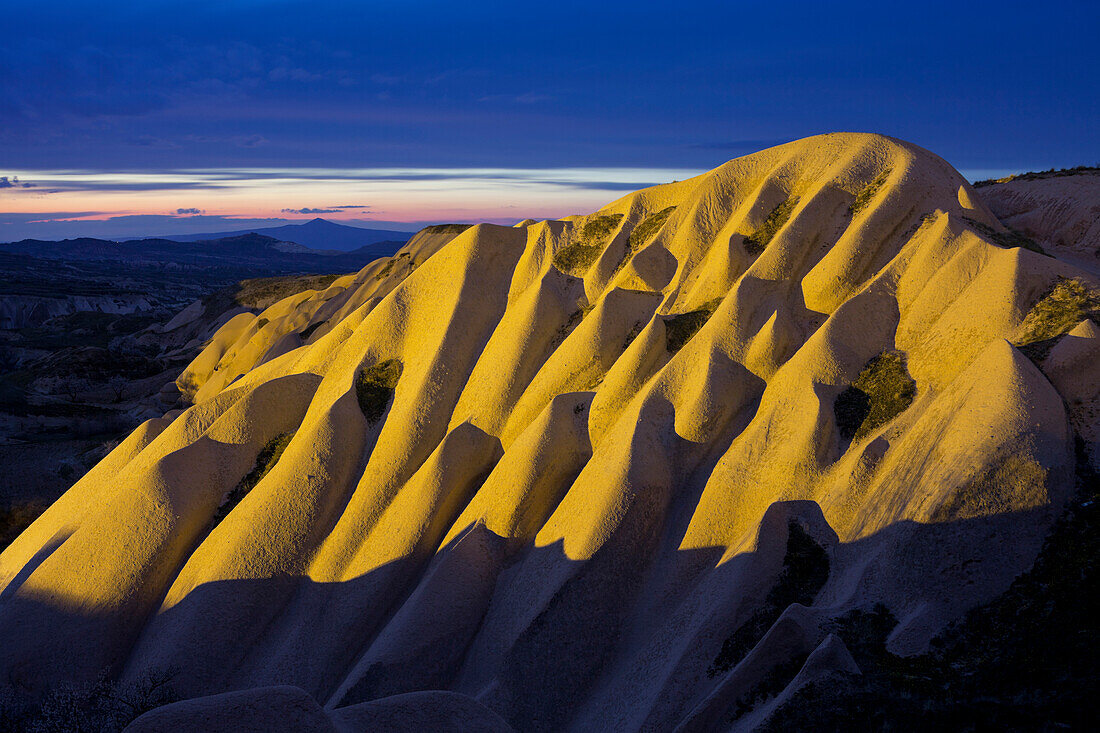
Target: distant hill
(1058, 209)
(315, 234)
(261, 254)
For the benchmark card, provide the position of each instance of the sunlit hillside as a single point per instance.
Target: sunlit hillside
(628, 470)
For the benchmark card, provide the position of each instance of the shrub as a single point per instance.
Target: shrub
(308, 330)
(758, 240)
(644, 232)
(805, 570)
(577, 257)
(265, 461)
(374, 388)
(1008, 239)
(680, 327)
(261, 323)
(1066, 304)
(881, 392)
(454, 229)
(386, 269)
(867, 193)
(599, 228)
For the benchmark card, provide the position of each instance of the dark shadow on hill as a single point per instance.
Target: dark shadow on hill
(436, 624)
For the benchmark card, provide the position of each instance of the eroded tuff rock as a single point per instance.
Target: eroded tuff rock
(601, 464)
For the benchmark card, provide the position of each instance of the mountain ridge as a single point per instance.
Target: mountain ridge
(252, 248)
(317, 233)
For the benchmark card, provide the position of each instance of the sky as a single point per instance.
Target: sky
(159, 117)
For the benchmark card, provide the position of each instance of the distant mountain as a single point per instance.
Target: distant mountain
(315, 234)
(261, 254)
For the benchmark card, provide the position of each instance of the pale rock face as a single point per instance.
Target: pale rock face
(593, 460)
(1061, 212)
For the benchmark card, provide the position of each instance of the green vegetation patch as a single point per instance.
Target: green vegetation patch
(1068, 303)
(308, 330)
(386, 269)
(867, 193)
(265, 461)
(577, 257)
(599, 228)
(453, 229)
(1081, 170)
(261, 323)
(374, 388)
(680, 327)
(805, 570)
(881, 392)
(758, 240)
(1008, 239)
(644, 232)
(1026, 661)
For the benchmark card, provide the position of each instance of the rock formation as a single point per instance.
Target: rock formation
(607, 472)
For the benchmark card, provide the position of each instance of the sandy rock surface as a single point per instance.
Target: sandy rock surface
(549, 471)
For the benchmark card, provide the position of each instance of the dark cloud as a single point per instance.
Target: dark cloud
(311, 211)
(14, 182)
(127, 186)
(189, 212)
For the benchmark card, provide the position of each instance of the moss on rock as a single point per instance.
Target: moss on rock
(269, 455)
(867, 193)
(680, 327)
(576, 257)
(374, 388)
(644, 232)
(881, 392)
(1066, 304)
(758, 240)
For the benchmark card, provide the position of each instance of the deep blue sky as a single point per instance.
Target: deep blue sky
(161, 85)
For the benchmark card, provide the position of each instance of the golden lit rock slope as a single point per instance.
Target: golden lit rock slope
(606, 437)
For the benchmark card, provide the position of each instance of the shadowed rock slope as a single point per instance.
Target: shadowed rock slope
(616, 471)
